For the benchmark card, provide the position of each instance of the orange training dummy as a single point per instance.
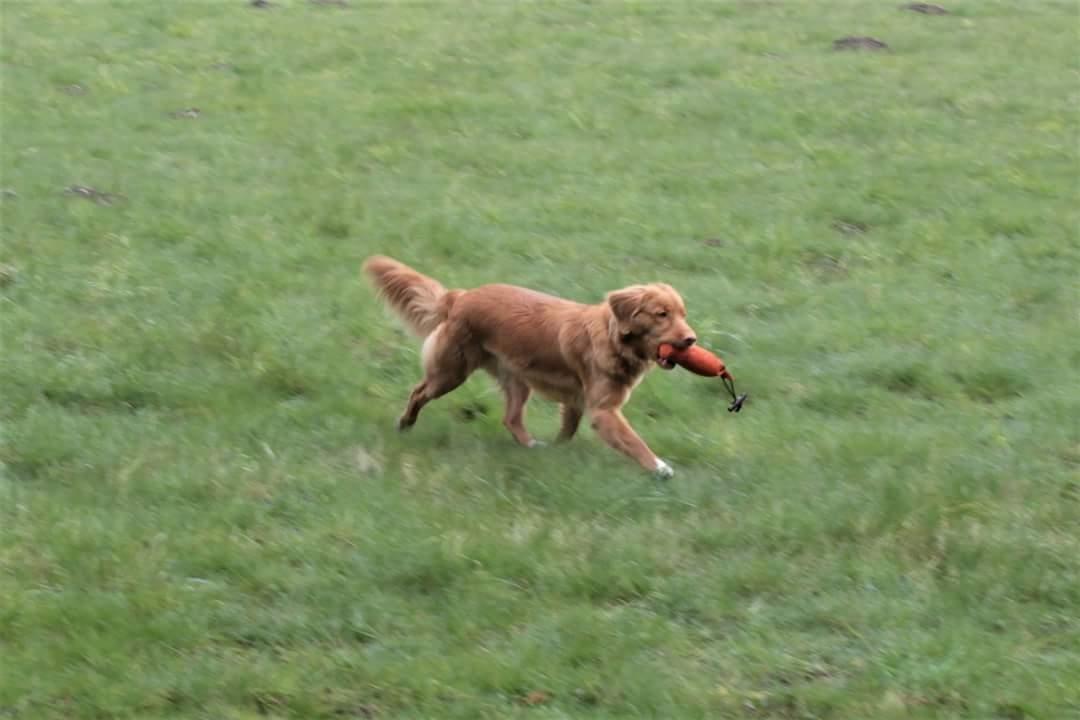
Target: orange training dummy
(702, 362)
(696, 359)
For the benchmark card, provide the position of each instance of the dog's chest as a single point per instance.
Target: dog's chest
(560, 387)
(542, 368)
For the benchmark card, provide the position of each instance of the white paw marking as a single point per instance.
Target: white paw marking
(534, 443)
(663, 470)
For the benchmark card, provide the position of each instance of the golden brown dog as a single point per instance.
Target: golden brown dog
(586, 357)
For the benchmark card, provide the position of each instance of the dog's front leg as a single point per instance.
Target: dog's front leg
(616, 432)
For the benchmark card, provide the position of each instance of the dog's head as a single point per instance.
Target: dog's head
(648, 316)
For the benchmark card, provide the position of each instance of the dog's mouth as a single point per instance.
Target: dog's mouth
(664, 361)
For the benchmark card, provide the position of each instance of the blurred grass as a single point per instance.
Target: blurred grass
(204, 511)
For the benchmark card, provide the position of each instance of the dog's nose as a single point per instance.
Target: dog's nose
(688, 341)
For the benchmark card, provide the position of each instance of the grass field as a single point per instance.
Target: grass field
(205, 511)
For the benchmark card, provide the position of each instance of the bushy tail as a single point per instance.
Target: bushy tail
(421, 302)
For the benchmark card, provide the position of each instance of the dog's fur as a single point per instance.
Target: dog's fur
(588, 358)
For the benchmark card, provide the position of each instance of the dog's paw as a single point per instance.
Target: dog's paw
(534, 443)
(663, 471)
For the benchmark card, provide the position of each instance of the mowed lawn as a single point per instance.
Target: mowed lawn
(205, 511)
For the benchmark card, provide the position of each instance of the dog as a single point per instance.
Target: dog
(587, 358)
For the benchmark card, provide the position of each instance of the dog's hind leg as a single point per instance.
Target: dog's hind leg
(446, 366)
(571, 419)
(428, 389)
(418, 398)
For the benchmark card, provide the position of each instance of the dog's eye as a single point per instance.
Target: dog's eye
(661, 313)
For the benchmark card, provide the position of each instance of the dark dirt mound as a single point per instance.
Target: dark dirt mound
(926, 9)
(850, 227)
(89, 193)
(859, 43)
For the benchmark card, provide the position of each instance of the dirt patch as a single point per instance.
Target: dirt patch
(850, 227)
(536, 697)
(926, 9)
(914, 379)
(991, 384)
(365, 462)
(74, 89)
(89, 193)
(472, 411)
(859, 43)
(1071, 492)
(1071, 456)
(285, 380)
(186, 114)
(124, 399)
(825, 267)
(8, 275)
(261, 4)
(713, 242)
(586, 697)
(270, 703)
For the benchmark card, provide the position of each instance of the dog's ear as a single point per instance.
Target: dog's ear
(625, 305)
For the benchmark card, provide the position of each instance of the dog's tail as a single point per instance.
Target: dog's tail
(421, 302)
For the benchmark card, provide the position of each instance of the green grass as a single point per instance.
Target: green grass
(206, 513)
